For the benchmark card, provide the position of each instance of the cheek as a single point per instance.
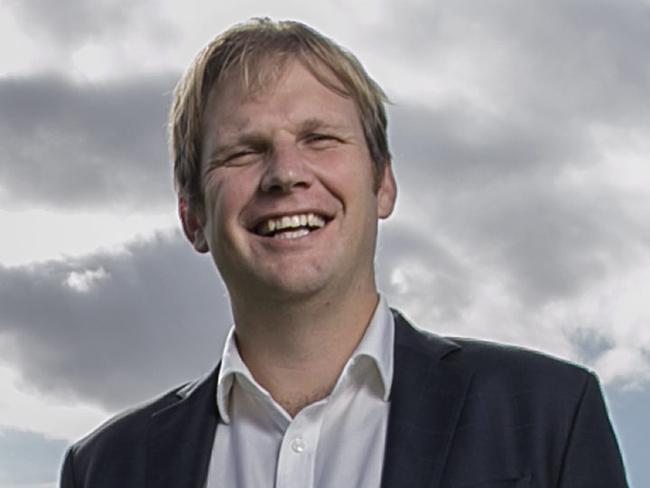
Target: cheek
(345, 174)
(226, 198)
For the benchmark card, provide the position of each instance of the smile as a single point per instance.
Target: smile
(290, 226)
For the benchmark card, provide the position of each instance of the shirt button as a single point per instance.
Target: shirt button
(298, 445)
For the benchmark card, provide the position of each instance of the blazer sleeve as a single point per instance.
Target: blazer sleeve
(592, 458)
(67, 472)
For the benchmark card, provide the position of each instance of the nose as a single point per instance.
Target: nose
(286, 169)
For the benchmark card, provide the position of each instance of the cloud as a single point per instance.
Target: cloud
(517, 230)
(514, 222)
(28, 458)
(23, 407)
(114, 329)
(520, 136)
(84, 145)
(550, 58)
(151, 318)
(423, 273)
(509, 197)
(529, 213)
(454, 288)
(521, 162)
(76, 21)
(512, 153)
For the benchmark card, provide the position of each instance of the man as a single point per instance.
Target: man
(283, 170)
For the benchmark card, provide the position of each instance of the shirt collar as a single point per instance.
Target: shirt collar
(231, 365)
(376, 344)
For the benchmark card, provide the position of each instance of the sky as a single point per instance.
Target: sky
(520, 134)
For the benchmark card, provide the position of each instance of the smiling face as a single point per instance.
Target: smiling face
(289, 205)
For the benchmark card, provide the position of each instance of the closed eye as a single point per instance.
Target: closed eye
(322, 141)
(239, 158)
(238, 154)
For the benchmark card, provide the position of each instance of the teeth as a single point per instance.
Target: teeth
(291, 222)
(315, 221)
(293, 234)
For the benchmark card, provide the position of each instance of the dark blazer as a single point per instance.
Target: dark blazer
(463, 414)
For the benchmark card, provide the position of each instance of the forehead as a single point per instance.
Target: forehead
(280, 85)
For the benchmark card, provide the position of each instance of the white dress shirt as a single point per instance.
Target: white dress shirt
(336, 442)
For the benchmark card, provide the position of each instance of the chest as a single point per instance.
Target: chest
(338, 441)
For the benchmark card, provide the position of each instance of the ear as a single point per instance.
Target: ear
(192, 220)
(387, 193)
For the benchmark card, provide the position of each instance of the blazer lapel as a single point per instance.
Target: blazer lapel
(181, 437)
(427, 397)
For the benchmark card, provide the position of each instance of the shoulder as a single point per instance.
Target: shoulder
(510, 385)
(529, 411)
(128, 423)
(516, 361)
(126, 429)
(118, 448)
(499, 368)
(496, 366)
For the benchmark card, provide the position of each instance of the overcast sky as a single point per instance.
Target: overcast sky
(521, 140)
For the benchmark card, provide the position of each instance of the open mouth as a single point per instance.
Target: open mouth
(290, 226)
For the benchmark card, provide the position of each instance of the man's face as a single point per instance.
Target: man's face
(289, 205)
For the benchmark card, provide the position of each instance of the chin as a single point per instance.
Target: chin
(294, 289)
(284, 287)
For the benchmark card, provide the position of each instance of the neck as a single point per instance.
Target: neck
(297, 349)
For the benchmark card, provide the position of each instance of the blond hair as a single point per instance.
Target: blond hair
(247, 47)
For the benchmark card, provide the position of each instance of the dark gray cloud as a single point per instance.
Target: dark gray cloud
(578, 58)
(157, 317)
(542, 82)
(116, 329)
(84, 145)
(496, 192)
(28, 458)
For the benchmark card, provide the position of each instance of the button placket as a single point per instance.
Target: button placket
(298, 449)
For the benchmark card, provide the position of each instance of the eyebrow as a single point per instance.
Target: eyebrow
(312, 124)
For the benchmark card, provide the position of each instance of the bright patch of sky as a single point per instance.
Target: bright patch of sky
(15, 61)
(23, 408)
(38, 235)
